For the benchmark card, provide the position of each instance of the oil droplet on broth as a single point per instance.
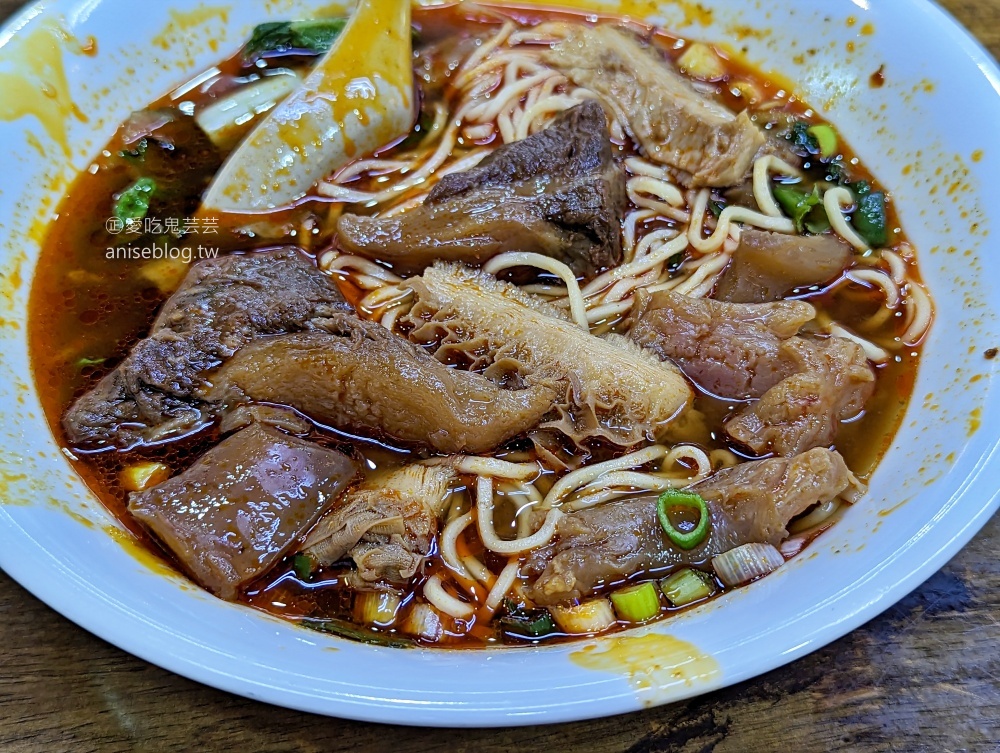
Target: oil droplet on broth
(649, 661)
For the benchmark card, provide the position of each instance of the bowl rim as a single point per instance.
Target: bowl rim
(20, 557)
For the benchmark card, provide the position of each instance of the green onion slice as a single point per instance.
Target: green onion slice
(826, 138)
(636, 603)
(677, 498)
(686, 587)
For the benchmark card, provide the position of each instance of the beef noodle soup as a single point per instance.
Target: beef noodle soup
(618, 325)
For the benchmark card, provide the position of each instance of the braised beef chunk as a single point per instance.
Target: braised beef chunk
(223, 304)
(733, 351)
(387, 526)
(832, 383)
(674, 124)
(243, 505)
(576, 145)
(558, 193)
(751, 502)
(358, 376)
(767, 266)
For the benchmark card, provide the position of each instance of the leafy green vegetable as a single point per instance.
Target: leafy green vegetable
(816, 221)
(801, 138)
(716, 207)
(869, 218)
(675, 261)
(805, 208)
(281, 37)
(861, 188)
(345, 629)
(133, 203)
(302, 564)
(526, 623)
(423, 127)
(138, 152)
(836, 172)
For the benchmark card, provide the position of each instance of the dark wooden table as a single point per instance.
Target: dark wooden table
(924, 676)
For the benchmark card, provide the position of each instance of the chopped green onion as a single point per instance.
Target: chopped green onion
(280, 37)
(677, 498)
(826, 139)
(716, 207)
(637, 603)
(804, 208)
(526, 623)
(303, 565)
(133, 203)
(345, 629)
(686, 587)
(869, 218)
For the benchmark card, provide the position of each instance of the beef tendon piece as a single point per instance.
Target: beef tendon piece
(558, 193)
(243, 505)
(802, 387)
(224, 303)
(832, 384)
(674, 124)
(387, 526)
(358, 376)
(749, 503)
(766, 266)
(610, 389)
(732, 351)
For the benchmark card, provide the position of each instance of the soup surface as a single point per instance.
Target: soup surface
(641, 357)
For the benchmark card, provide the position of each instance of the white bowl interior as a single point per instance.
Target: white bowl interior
(921, 134)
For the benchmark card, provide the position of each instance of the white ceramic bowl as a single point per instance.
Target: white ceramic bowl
(927, 134)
